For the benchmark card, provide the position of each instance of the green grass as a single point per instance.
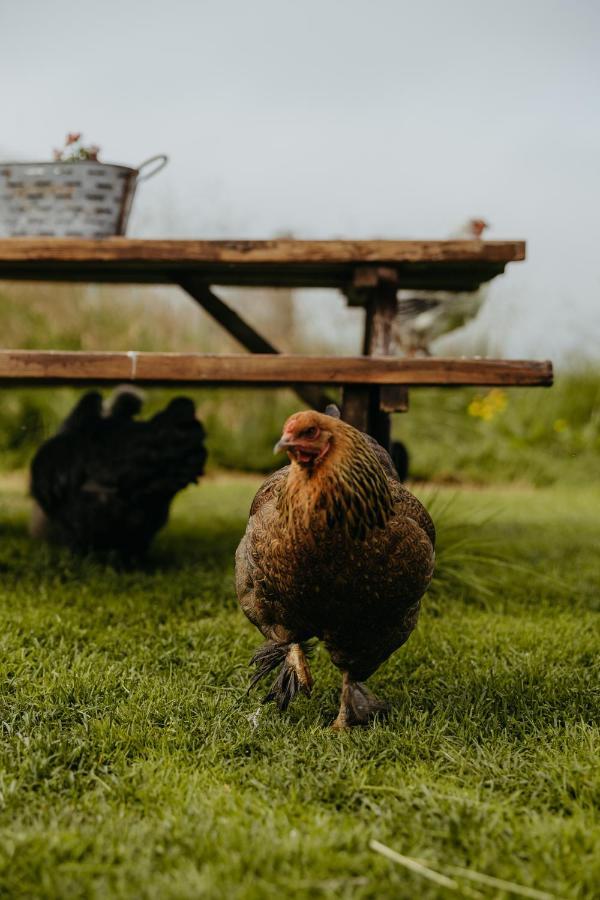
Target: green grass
(132, 764)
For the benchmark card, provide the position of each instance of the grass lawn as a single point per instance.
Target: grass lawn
(133, 764)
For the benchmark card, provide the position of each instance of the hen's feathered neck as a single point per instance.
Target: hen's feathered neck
(348, 491)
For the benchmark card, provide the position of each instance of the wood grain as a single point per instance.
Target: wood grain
(57, 367)
(244, 252)
(445, 265)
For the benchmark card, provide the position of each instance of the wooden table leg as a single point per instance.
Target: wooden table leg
(380, 314)
(369, 408)
(356, 401)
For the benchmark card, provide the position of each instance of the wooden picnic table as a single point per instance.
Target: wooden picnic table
(369, 273)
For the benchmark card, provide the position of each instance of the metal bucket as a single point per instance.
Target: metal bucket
(69, 199)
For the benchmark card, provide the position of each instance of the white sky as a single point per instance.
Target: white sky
(339, 118)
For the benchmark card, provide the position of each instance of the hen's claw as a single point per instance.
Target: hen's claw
(358, 705)
(294, 673)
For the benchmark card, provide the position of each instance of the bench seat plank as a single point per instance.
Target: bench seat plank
(57, 367)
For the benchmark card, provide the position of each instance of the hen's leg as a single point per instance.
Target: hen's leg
(358, 705)
(294, 672)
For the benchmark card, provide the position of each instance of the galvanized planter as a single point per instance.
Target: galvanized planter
(69, 199)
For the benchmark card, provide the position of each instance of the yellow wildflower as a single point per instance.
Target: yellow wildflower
(487, 406)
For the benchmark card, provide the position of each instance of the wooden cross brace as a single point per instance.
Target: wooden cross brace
(247, 336)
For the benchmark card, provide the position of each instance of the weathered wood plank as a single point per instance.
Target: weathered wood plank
(36, 249)
(40, 366)
(444, 265)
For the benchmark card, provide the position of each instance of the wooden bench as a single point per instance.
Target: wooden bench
(354, 373)
(29, 367)
(369, 273)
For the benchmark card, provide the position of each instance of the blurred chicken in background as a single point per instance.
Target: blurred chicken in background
(424, 316)
(105, 481)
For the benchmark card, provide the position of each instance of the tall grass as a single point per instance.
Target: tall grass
(540, 438)
(529, 435)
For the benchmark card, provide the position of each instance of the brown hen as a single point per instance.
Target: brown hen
(336, 548)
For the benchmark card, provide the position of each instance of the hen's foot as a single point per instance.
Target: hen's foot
(358, 705)
(294, 672)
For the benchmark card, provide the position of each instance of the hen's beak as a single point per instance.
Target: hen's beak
(282, 444)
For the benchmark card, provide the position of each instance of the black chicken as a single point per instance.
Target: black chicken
(106, 481)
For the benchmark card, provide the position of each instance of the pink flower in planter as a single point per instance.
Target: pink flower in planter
(74, 151)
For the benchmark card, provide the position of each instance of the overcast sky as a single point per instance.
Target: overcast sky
(339, 118)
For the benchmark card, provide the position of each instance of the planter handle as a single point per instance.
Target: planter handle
(161, 159)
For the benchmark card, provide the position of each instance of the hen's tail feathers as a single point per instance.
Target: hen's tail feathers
(181, 410)
(125, 402)
(294, 674)
(85, 413)
(358, 705)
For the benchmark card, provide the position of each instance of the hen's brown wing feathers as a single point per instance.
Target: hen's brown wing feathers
(406, 504)
(251, 561)
(403, 499)
(268, 488)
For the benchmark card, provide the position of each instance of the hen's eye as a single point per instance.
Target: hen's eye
(310, 432)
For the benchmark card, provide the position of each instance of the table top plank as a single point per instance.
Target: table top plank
(245, 252)
(452, 265)
(196, 369)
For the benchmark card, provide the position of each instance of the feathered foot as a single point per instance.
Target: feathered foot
(294, 673)
(358, 705)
